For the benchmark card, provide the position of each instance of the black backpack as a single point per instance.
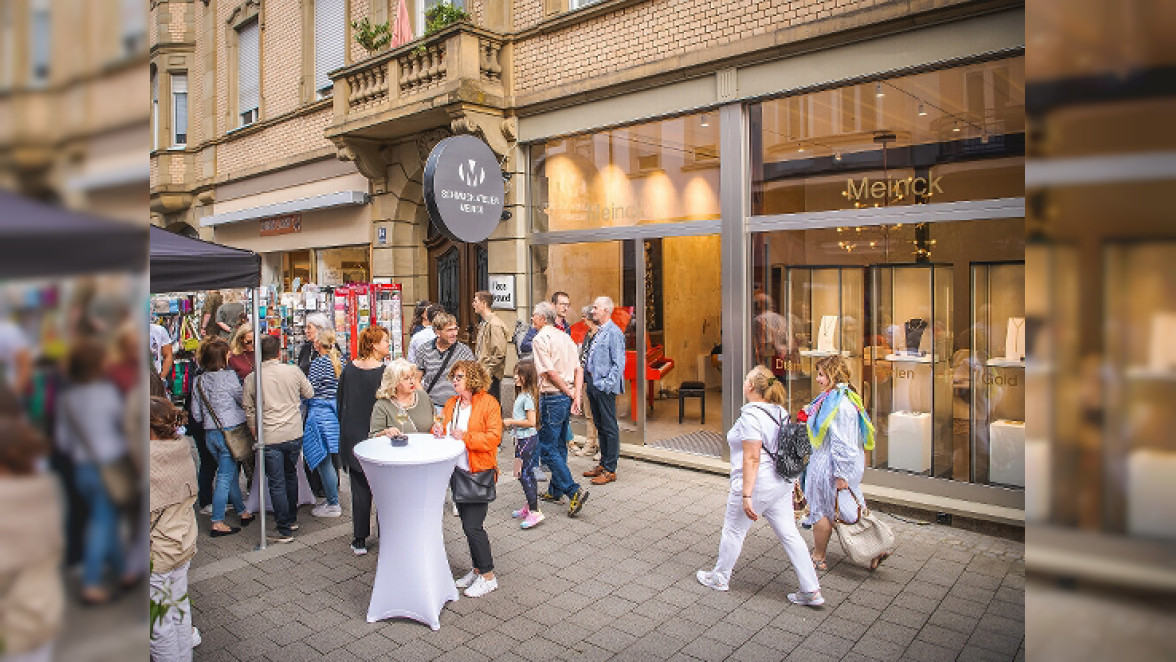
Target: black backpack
(792, 448)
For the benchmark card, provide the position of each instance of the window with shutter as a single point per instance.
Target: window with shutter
(134, 26)
(7, 41)
(329, 23)
(154, 110)
(179, 89)
(39, 42)
(248, 64)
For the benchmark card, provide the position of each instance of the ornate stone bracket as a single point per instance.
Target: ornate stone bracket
(498, 132)
(370, 157)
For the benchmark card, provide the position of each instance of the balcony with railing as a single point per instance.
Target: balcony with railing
(424, 84)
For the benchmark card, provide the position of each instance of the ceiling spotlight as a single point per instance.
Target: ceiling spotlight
(956, 128)
(922, 111)
(836, 156)
(705, 121)
(878, 90)
(800, 148)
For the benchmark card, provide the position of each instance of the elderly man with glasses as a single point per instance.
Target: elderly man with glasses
(560, 382)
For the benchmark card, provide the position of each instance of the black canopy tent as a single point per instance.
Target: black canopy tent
(39, 240)
(180, 264)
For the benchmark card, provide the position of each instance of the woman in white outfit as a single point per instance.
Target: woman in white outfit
(756, 489)
(841, 433)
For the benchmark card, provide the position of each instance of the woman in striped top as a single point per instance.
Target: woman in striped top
(320, 439)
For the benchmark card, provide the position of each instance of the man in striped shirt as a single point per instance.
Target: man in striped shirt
(434, 358)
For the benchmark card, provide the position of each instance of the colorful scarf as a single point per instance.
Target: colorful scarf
(825, 407)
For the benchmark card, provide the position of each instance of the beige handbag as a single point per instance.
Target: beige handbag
(866, 539)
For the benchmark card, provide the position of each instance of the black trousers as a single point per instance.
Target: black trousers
(361, 504)
(207, 471)
(473, 515)
(496, 389)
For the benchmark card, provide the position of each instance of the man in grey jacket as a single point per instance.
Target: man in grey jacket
(283, 387)
(603, 374)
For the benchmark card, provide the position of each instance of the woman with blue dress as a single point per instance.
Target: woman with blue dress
(841, 433)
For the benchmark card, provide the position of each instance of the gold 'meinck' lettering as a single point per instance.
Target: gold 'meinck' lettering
(892, 188)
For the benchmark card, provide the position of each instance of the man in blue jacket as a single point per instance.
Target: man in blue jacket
(603, 379)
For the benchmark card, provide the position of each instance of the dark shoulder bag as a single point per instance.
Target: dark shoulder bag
(238, 439)
(472, 486)
(792, 448)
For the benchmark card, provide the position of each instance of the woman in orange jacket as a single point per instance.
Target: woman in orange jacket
(474, 417)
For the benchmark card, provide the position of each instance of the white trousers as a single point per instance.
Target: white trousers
(171, 638)
(773, 503)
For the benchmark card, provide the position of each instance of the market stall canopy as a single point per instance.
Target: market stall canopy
(182, 264)
(39, 240)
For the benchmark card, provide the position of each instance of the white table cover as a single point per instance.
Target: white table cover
(305, 494)
(408, 487)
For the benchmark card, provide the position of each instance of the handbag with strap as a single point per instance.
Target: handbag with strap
(238, 439)
(866, 539)
(472, 486)
(120, 477)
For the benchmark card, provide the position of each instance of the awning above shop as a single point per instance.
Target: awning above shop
(180, 264)
(314, 203)
(38, 240)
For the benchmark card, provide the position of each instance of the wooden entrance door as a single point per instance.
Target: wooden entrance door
(456, 271)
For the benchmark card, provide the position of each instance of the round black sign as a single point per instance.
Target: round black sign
(464, 189)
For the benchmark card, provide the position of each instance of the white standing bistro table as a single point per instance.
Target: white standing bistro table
(408, 487)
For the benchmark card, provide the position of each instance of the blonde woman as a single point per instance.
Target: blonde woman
(757, 490)
(320, 440)
(401, 405)
(241, 351)
(841, 433)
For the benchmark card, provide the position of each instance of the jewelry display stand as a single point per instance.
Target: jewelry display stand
(1139, 446)
(826, 308)
(998, 373)
(912, 382)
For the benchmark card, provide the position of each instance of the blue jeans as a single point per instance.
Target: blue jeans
(553, 416)
(604, 414)
(326, 471)
(102, 544)
(227, 487)
(281, 472)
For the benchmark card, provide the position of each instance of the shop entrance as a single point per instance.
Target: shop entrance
(457, 270)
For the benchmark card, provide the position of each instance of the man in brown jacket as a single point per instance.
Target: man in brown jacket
(493, 337)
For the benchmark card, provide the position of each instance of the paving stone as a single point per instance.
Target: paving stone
(953, 621)
(892, 632)
(924, 651)
(706, 648)
(878, 648)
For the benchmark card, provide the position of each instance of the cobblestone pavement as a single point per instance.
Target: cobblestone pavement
(616, 583)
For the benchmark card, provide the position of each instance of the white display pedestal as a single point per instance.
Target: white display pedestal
(910, 441)
(1151, 491)
(1006, 452)
(1037, 480)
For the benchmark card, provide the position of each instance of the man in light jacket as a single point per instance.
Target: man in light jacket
(603, 374)
(283, 387)
(492, 339)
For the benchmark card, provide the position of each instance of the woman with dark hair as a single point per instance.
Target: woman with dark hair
(89, 428)
(354, 400)
(216, 403)
(418, 316)
(173, 532)
(474, 417)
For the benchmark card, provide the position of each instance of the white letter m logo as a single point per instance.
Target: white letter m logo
(470, 177)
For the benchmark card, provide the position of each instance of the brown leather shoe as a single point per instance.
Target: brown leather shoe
(594, 472)
(604, 477)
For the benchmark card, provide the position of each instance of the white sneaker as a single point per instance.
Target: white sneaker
(481, 586)
(455, 513)
(207, 510)
(814, 599)
(327, 511)
(467, 579)
(195, 637)
(711, 580)
(359, 548)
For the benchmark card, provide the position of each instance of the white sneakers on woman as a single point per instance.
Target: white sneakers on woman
(467, 579)
(476, 585)
(813, 599)
(711, 579)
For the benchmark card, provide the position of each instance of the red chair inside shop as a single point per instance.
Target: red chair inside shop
(657, 365)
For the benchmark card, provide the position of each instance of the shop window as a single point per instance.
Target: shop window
(330, 21)
(154, 109)
(248, 78)
(657, 172)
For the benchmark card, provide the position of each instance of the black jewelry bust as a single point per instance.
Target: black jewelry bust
(914, 335)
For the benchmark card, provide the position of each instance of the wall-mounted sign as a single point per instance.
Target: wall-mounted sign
(381, 236)
(464, 188)
(503, 289)
(276, 225)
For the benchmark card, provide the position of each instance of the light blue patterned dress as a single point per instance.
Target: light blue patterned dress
(840, 456)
